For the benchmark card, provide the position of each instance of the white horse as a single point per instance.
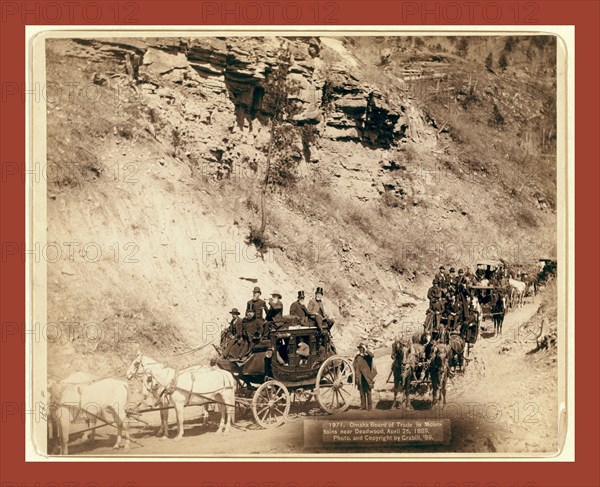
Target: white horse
(81, 396)
(154, 395)
(518, 289)
(192, 386)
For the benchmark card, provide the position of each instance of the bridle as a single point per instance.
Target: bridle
(402, 350)
(149, 382)
(136, 368)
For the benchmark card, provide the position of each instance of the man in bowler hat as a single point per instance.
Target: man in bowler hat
(257, 305)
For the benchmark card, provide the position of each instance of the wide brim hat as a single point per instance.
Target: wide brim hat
(276, 293)
(451, 269)
(257, 290)
(234, 311)
(319, 291)
(362, 345)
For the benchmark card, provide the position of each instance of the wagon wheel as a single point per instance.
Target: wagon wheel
(528, 333)
(271, 404)
(335, 381)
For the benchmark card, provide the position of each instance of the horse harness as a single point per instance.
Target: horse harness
(171, 387)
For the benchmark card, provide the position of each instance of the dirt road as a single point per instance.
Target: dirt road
(504, 402)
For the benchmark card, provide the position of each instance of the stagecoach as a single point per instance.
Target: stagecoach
(483, 294)
(273, 375)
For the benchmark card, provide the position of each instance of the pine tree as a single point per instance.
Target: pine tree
(277, 103)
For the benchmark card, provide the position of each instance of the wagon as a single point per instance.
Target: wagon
(484, 295)
(547, 269)
(273, 375)
(489, 269)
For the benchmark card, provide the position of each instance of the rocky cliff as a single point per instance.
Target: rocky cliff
(397, 162)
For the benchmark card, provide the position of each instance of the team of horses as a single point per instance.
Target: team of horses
(428, 360)
(417, 364)
(81, 397)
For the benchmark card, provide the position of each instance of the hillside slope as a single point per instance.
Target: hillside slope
(160, 155)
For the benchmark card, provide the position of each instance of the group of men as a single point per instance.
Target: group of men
(262, 317)
(451, 300)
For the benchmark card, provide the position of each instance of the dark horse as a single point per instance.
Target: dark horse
(438, 370)
(498, 311)
(456, 349)
(402, 368)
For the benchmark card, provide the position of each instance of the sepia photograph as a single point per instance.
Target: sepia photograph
(299, 244)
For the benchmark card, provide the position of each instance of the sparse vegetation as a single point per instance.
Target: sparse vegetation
(462, 48)
(503, 61)
(451, 178)
(497, 119)
(489, 61)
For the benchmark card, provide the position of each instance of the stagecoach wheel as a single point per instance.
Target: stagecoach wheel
(271, 404)
(334, 385)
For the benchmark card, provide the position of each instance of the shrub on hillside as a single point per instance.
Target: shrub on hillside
(503, 61)
(497, 119)
(258, 239)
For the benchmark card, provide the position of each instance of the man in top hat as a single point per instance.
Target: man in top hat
(232, 333)
(256, 304)
(316, 309)
(364, 373)
(298, 309)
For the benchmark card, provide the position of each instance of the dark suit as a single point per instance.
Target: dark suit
(275, 312)
(258, 306)
(316, 309)
(232, 335)
(299, 310)
(365, 373)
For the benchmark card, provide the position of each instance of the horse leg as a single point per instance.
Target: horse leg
(121, 418)
(204, 415)
(62, 427)
(443, 388)
(230, 412)
(222, 423)
(163, 431)
(179, 413)
(118, 424)
(89, 436)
